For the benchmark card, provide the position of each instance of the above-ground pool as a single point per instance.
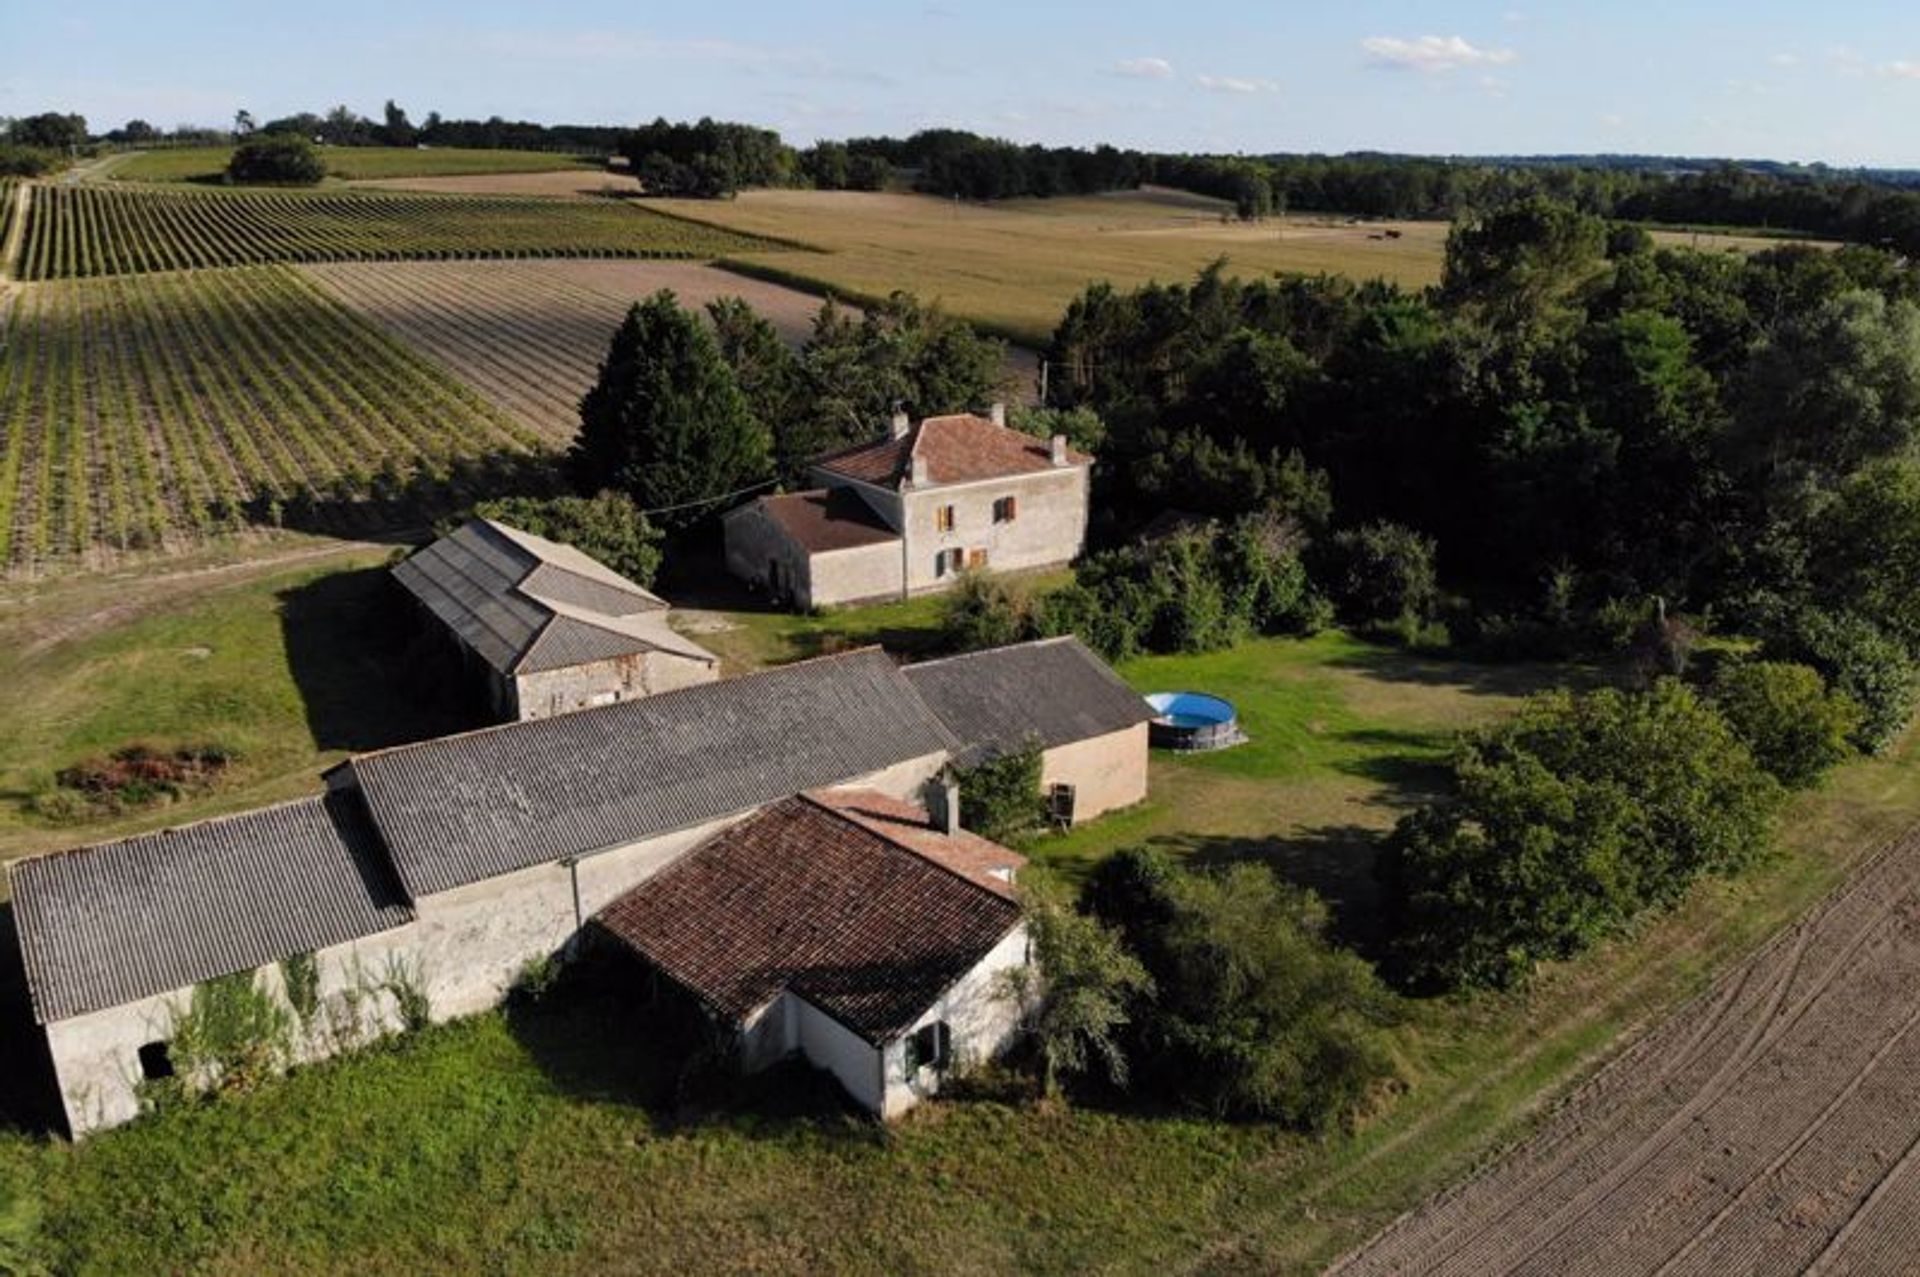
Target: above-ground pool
(1192, 721)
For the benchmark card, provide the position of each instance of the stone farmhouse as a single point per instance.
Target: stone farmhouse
(907, 513)
(544, 628)
(783, 845)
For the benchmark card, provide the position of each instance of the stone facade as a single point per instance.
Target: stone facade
(1048, 527)
(619, 678)
(1107, 772)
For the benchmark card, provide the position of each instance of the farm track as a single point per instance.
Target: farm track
(151, 413)
(529, 336)
(1771, 1125)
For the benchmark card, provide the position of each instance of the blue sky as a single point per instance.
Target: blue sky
(1838, 82)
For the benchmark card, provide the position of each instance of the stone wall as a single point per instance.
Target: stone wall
(1106, 772)
(1049, 527)
(862, 574)
(618, 678)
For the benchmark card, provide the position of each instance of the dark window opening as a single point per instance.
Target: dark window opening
(156, 1061)
(1060, 804)
(930, 1047)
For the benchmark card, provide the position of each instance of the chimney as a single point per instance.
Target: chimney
(901, 424)
(997, 414)
(920, 478)
(1059, 450)
(943, 803)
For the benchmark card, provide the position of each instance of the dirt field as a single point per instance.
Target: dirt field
(1771, 1126)
(530, 335)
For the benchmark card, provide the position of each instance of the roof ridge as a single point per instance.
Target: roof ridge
(1042, 641)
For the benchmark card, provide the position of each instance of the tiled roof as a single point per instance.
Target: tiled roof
(799, 897)
(1051, 692)
(463, 808)
(126, 920)
(525, 604)
(827, 519)
(907, 824)
(957, 449)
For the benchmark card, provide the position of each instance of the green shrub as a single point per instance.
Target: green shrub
(1251, 1011)
(1565, 823)
(277, 159)
(301, 974)
(1382, 578)
(608, 527)
(1000, 796)
(1077, 995)
(231, 1035)
(1795, 727)
(1862, 662)
(983, 612)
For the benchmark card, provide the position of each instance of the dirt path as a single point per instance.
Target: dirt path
(16, 234)
(1770, 1126)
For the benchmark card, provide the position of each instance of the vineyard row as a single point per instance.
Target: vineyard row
(80, 231)
(152, 414)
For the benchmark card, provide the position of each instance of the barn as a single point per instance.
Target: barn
(544, 628)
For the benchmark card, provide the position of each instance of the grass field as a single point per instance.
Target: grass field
(152, 412)
(348, 163)
(550, 1139)
(106, 230)
(1014, 265)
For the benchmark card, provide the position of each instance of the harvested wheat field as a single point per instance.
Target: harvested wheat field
(1771, 1126)
(567, 182)
(529, 336)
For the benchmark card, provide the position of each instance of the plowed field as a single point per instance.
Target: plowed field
(1771, 1126)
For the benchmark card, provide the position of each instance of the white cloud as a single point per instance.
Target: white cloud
(1785, 59)
(1847, 61)
(1613, 121)
(1902, 70)
(1431, 53)
(1144, 68)
(1234, 84)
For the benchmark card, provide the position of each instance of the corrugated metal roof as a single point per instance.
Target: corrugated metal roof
(504, 592)
(1052, 691)
(457, 810)
(126, 920)
(801, 897)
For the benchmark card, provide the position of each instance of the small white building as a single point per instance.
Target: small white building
(847, 927)
(548, 629)
(909, 512)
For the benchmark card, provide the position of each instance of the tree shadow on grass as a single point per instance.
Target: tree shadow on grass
(611, 1031)
(1335, 862)
(367, 676)
(1474, 678)
(29, 1091)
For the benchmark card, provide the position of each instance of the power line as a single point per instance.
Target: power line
(725, 496)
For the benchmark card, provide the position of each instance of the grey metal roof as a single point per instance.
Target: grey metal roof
(505, 593)
(456, 810)
(1052, 691)
(126, 920)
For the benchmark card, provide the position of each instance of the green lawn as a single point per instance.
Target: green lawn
(291, 666)
(348, 163)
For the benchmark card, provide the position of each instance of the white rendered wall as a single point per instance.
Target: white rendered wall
(981, 1017)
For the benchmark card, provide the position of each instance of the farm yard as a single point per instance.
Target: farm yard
(529, 336)
(153, 411)
(85, 230)
(346, 163)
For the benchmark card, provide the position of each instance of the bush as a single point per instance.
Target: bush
(1251, 1011)
(1382, 578)
(983, 612)
(1000, 796)
(276, 159)
(608, 527)
(1862, 662)
(1087, 987)
(1795, 727)
(28, 161)
(1565, 823)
